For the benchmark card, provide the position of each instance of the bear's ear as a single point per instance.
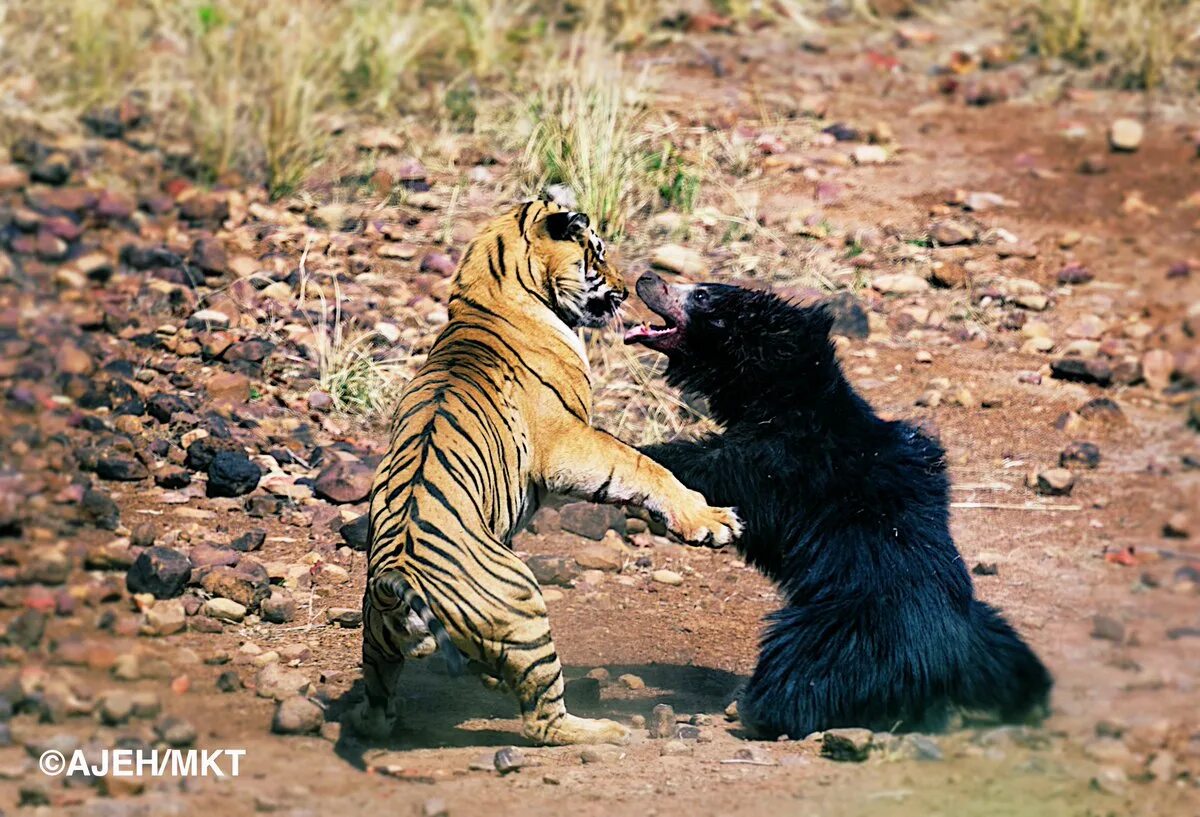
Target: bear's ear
(567, 225)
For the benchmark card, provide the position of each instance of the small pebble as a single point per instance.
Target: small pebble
(509, 759)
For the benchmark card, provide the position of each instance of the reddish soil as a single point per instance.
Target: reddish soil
(692, 644)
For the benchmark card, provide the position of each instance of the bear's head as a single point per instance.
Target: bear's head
(736, 346)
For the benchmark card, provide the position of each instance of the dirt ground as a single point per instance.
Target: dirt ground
(1124, 736)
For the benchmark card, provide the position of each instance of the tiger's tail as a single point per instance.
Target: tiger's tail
(395, 583)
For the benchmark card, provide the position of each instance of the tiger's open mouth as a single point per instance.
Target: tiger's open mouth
(600, 305)
(670, 304)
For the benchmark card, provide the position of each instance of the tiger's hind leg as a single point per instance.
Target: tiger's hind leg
(518, 647)
(531, 668)
(375, 716)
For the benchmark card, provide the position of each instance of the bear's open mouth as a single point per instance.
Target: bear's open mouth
(645, 332)
(668, 302)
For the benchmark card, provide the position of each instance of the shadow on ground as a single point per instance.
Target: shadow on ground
(444, 712)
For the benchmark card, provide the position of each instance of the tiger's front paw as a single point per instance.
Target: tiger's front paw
(703, 524)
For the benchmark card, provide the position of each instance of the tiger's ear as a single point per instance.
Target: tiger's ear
(567, 225)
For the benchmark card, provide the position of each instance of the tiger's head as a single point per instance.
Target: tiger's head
(546, 251)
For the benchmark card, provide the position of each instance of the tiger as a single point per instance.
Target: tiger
(498, 416)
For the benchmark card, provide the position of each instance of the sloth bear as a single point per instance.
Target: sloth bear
(847, 513)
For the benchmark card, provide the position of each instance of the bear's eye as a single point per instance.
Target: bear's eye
(701, 296)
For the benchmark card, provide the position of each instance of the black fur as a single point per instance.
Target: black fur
(848, 513)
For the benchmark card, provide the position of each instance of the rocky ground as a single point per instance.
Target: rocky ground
(1017, 265)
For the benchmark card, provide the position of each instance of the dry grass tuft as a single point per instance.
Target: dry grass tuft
(1143, 39)
(589, 132)
(361, 382)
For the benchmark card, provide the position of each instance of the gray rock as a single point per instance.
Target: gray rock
(545, 520)
(297, 716)
(435, 807)
(676, 748)
(278, 608)
(662, 721)
(166, 617)
(278, 682)
(509, 759)
(1107, 628)
(226, 610)
(349, 618)
(1126, 135)
(1081, 453)
(920, 747)
(601, 754)
(27, 629)
(553, 571)
(1055, 482)
(849, 317)
(175, 732)
(591, 520)
(116, 707)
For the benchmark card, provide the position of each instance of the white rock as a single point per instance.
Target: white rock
(224, 610)
(669, 577)
(870, 155)
(1126, 134)
(679, 259)
(900, 283)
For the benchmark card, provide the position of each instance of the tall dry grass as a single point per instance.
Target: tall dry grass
(1144, 40)
(589, 132)
(255, 85)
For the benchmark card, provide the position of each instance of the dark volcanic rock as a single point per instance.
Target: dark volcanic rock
(99, 508)
(160, 571)
(231, 473)
(1082, 370)
(144, 258)
(250, 540)
(357, 534)
(1080, 452)
(202, 452)
(121, 467)
(162, 406)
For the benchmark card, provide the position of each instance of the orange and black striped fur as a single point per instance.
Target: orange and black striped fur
(498, 415)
